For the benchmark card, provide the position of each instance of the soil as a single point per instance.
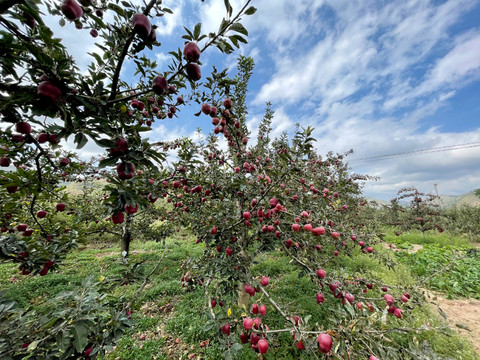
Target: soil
(463, 316)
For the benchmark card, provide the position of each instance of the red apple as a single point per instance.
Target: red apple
(307, 227)
(64, 162)
(48, 91)
(194, 71)
(243, 337)
(296, 227)
(12, 189)
(72, 10)
(320, 298)
(41, 214)
(206, 109)
(229, 251)
(226, 329)
(227, 103)
(118, 218)
(192, 52)
(324, 343)
(22, 227)
(130, 209)
(299, 344)
(60, 207)
(264, 281)
(262, 346)
(42, 138)
(255, 308)
(23, 127)
(247, 323)
(159, 85)
(5, 162)
(321, 273)
(318, 231)
(262, 310)
(125, 170)
(141, 25)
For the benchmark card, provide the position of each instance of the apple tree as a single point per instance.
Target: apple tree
(46, 100)
(422, 212)
(241, 201)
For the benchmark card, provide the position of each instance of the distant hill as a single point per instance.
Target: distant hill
(464, 199)
(446, 201)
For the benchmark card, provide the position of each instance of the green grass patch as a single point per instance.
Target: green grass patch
(183, 315)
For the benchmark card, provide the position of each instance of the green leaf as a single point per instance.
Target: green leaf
(81, 140)
(196, 30)
(107, 162)
(228, 7)
(251, 10)
(80, 337)
(105, 143)
(239, 28)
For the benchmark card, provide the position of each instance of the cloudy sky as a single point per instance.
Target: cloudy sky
(379, 77)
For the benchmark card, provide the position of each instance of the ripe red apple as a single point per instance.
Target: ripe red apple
(262, 346)
(192, 52)
(372, 357)
(398, 313)
(321, 273)
(23, 127)
(227, 103)
(60, 207)
(246, 215)
(255, 308)
(118, 218)
(130, 209)
(194, 71)
(42, 138)
(296, 227)
(22, 227)
(262, 310)
(389, 299)
(350, 298)
(254, 338)
(335, 235)
(214, 230)
(12, 189)
(159, 85)
(72, 10)
(324, 342)
(64, 162)
(264, 281)
(318, 231)
(289, 243)
(299, 344)
(320, 298)
(125, 170)
(247, 323)
(206, 109)
(226, 329)
(256, 322)
(244, 337)
(41, 214)
(307, 227)
(48, 91)
(229, 251)
(141, 25)
(213, 302)
(5, 162)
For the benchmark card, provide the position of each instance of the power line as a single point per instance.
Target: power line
(417, 152)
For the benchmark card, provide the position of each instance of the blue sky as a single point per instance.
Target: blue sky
(380, 77)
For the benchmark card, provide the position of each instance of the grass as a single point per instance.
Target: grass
(173, 320)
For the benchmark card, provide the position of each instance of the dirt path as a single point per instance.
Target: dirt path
(463, 316)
